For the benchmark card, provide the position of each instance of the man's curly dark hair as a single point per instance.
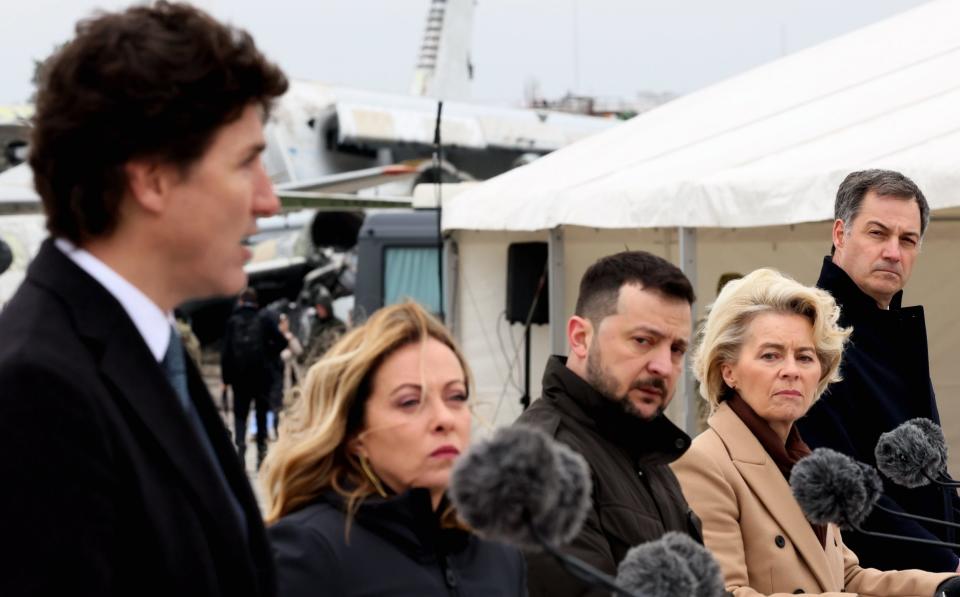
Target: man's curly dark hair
(153, 81)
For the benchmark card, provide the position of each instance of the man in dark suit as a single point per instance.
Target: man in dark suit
(118, 475)
(880, 219)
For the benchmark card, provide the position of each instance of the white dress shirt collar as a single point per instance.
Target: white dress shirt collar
(152, 323)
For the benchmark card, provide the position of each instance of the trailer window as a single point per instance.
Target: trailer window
(412, 272)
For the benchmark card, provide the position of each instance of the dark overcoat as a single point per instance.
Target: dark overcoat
(107, 490)
(252, 379)
(886, 381)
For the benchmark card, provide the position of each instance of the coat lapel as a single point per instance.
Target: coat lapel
(222, 443)
(235, 475)
(139, 381)
(765, 480)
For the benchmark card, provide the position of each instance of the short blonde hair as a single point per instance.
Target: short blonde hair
(764, 291)
(311, 453)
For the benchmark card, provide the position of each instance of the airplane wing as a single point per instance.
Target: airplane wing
(338, 201)
(372, 118)
(352, 181)
(17, 195)
(380, 119)
(336, 191)
(315, 129)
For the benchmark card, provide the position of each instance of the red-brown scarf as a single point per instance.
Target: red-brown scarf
(784, 455)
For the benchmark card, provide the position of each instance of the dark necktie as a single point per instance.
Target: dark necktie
(175, 368)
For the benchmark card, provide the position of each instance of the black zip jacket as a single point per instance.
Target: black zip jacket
(396, 547)
(636, 497)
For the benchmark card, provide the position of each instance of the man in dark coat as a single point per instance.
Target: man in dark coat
(118, 476)
(606, 401)
(881, 217)
(252, 344)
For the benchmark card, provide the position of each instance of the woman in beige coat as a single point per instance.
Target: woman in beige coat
(768, 349)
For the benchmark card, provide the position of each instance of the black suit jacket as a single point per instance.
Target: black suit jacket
(106, 488)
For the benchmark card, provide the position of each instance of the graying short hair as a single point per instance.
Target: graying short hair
(886, 183)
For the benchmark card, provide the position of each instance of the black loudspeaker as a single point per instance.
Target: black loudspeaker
(526, 276)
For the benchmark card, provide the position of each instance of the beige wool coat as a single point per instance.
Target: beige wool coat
(757, 532)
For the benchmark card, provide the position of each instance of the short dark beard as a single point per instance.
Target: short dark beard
(606, 385)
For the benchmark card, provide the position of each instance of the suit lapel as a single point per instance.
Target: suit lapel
(136, 379)
(234, 474)
(220, 441)
(766, 481)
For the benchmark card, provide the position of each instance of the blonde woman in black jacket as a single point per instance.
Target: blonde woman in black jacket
(356, 484)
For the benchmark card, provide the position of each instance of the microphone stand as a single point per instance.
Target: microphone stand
(916, 517)
(942, 483)
(858, 529)
(945, 482)
(577, 567)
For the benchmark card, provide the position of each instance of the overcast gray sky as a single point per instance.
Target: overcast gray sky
(607, 48)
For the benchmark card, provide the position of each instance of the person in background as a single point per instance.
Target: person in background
(880, 219)
(118, 478)
(355, 486)
(252, 343)
(770, 347)
(324, 329)
(289, 372)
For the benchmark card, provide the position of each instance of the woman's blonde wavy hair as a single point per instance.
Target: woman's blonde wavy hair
(311, 454)
(724, 332)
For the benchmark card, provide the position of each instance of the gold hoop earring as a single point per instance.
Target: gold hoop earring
(371, 476)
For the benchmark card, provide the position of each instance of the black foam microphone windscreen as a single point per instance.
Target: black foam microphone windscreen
(673, 566)
(934, 435)
(909, 455)
(832, 487)
(522, 487)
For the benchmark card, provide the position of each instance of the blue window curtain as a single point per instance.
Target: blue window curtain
(412, 272)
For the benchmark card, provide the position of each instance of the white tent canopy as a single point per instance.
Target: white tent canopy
(767, 147)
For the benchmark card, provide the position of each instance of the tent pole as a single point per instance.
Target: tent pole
(688, 263)
(555, 280)
(525, 399)
(451, 272)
